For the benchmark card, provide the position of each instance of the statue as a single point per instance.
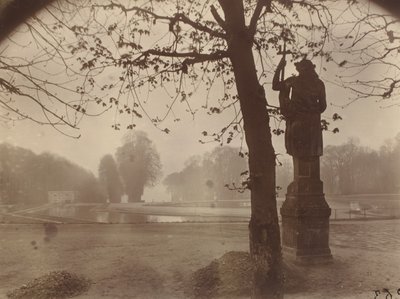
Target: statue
(302, 110)
(305, 212)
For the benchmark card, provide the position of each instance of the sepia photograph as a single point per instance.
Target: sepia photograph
(195, 149)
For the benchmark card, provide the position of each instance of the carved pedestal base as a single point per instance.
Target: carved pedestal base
(305, 216)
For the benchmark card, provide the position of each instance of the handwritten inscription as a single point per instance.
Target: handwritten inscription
(386, 294)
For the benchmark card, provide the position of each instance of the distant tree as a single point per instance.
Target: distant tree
(194, 180)
(213, 176)
(8, 176)
(175, 186)
(365, 168)
(389, 166)
(337, 164)
(26, 177)
(89, 190)
(351, 168)
(17, 183)
(110, 179)
(190, 183)
(139, 164)
(396, 164)
(227, 170)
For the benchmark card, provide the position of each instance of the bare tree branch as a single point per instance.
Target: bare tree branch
(178, 17)
(218, 18)
(257, 13)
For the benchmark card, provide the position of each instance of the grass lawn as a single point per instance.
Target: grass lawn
(158, 260)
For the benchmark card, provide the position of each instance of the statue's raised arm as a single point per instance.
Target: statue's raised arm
(276, 81)
(302, 99)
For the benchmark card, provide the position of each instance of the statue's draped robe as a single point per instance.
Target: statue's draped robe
(302, 100)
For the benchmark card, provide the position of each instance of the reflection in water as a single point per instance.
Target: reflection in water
(102, 217)
(158, 218)
(88, 213)
(62, 211)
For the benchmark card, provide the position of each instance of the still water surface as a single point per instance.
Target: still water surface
(89, 213)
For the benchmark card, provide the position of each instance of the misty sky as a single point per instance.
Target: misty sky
(365, 119)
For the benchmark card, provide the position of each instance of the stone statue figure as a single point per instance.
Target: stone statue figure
(302, 100)
(305, 212)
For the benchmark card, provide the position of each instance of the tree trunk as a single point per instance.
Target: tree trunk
(265, 243)
(135, 194)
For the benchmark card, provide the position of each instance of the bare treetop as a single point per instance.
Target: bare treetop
(82, 58)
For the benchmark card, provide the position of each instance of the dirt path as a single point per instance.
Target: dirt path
(157, 260)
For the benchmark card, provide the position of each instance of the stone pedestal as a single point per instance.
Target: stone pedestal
(305, 214)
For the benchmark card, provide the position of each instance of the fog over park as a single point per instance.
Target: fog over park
(364, 120)
(182, 139)
(371, 120)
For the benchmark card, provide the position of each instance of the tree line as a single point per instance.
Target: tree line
(352, 168)
(210, 177)
(136, 165)
(26, 177)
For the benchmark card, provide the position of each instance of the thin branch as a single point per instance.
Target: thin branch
(218, 18)
(173, 20)
(257, 13)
